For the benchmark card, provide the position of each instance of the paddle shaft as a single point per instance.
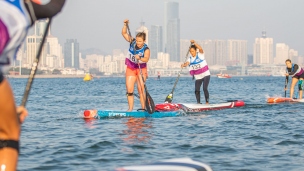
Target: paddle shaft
(34, 67)
(180, 71)
(286, 83)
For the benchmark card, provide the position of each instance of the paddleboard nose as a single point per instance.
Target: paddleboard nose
(87, 113)
(239, 103)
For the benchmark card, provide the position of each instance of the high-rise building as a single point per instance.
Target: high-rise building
(143, 28)
(220, 52)
(172, 31)
(263, 50)
(108, 59)
(237, 52)
(208, 48)
(293, 55)
(71, 53)
(155, 41)
(184, 48)
(164, 58)
(249, 59)
(33, 44)
(54, 51)
(282, 53)
(40, 26)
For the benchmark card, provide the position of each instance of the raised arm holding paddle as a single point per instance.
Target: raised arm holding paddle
(136, 72)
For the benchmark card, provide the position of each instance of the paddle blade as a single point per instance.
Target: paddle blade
(150, 106)
(169, 98)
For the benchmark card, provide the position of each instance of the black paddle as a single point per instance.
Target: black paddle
(34, 67)
(286, 83)
(149, 103)
(169, 98)
(150, 106)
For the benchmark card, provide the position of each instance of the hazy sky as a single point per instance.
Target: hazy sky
(98, 23)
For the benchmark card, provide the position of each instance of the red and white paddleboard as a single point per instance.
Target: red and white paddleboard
(283, 99)
(187, 107)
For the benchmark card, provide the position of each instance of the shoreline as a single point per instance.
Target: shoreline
(97, 77)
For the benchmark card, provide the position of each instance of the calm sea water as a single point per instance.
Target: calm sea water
(258, 136)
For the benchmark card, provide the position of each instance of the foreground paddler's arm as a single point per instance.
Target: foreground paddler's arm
(292, 72)
(125, 33)
(146, 56)
(197, 46)
(185, 64)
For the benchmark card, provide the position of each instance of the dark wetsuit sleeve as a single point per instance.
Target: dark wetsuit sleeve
(295, 68)
(48, 10)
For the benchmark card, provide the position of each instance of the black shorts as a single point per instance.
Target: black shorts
(1, 77)
(298, 77)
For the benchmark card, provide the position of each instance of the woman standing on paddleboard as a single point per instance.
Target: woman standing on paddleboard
(199, 70)
(140, 54)
(16, 16)
(297, 74)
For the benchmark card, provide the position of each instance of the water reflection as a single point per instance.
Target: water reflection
(137, 130)
(90, 122)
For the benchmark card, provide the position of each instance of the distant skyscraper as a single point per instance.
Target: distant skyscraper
(249, 59)
(172, 31)
(220, 52)
(209, 53)
(282, 53)
(143, 28)
(237, 52)
(54, 49)
(155, 41)
(263, 50)
(184, 48)
(293, 54)
(33, 43)
(71, 53)
(40, 26)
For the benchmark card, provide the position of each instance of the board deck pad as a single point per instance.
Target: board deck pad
(191, 107)
(283, 100)
(164, 110)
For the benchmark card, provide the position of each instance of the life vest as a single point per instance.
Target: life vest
(14, 24)
(131, 60)
(296, 73)
(198, 67)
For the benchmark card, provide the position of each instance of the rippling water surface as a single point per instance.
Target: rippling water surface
(258, 136)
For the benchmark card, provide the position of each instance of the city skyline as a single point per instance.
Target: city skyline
(100, 27)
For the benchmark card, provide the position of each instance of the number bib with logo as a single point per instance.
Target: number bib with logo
(198, 67)
(131, 61)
